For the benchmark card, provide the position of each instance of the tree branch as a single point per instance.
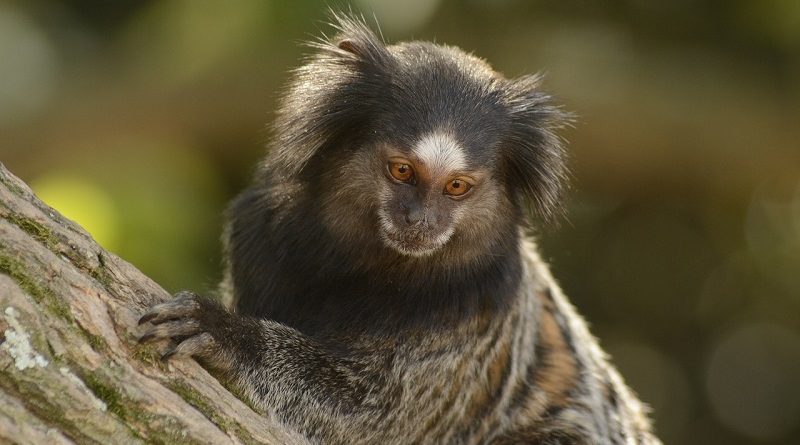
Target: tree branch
(70, 368)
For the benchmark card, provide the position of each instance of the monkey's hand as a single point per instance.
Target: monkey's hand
(277, 367)
(198, 325)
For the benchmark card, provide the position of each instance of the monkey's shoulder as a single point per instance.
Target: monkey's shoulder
(579, 394)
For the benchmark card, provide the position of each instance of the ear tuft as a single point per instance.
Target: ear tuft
(535, 156)
(355, 37)
(333, 95)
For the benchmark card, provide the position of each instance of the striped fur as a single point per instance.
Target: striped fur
(348, 341)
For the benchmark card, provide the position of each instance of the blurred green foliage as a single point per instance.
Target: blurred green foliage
(140, 119)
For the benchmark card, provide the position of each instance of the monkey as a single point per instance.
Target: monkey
(381, 285)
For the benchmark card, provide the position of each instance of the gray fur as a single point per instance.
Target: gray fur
(352, 338)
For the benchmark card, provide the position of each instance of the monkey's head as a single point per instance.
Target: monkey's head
(420, 146)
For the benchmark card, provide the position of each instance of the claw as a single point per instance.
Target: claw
(196, 345)
(182, 305)
(169, 354)
(147, 317)
(176, 319)
(171, 329)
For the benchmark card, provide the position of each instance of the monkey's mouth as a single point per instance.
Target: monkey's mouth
(417, 242)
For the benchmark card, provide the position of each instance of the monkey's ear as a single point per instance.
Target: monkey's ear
(350, 46)
(534, 155)
(332, 96)
(355, 38)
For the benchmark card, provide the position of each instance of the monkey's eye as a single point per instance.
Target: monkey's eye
(401, 171)
(457, 188)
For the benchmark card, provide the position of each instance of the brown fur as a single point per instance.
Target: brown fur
(350, 338)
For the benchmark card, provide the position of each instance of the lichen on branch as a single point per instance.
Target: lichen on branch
(70, 368)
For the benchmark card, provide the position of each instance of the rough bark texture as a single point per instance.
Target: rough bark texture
(70, 368)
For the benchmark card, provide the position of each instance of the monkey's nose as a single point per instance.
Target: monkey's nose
(413, 214)
(419, 216)
(413, 217)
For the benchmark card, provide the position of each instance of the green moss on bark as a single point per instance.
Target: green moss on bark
(33, 287)
(36, 230)
(202, 404)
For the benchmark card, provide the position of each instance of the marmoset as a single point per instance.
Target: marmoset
(381, 287)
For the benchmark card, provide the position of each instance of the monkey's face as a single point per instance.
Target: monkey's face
(426, 193)
(418, 195)
(424, 144)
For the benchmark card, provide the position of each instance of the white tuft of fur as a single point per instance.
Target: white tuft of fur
(441, 153)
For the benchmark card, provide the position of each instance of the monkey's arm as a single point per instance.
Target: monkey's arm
(277, 367)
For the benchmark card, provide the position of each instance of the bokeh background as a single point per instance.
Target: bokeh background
(140, 119)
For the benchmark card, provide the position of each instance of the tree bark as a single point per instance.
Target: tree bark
(71, 370)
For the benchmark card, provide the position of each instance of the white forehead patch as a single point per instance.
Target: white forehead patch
(441, 153)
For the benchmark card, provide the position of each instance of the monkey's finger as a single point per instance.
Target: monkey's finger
(181, 306)
(192, 346)
(171, 329)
